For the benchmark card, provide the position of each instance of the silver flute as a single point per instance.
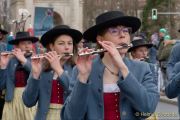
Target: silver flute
(11, 53)
(37, 56)
(103, 50)
(82, 54)
(146, 59)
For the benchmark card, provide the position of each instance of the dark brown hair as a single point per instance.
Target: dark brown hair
(71, 61)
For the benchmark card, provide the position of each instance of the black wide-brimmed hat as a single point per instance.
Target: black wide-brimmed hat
(109, 19)
(23, 36)
(139, 43)
(60, 30)
(2, 30)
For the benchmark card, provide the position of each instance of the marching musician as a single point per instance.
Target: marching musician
(139, 51)
(111, 86)
(49, 82)
(13, 77)
(3, 47)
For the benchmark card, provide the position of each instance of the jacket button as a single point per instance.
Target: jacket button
(124, 113)
(100, 104)
(99, 89)
(99, 76)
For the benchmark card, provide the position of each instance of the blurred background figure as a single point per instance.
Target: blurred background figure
(140, 51)
(163, 53)
(153, 50)
(3, 33)
(162, 33)
(143, 35)
(9, 38)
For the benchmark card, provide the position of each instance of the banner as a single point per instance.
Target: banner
(43, 20)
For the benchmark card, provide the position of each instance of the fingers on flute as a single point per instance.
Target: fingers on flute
(105, 46)
(88, 56)
(36, 59)
(55, 55)
(48, 57)
(80, 58)
(85, 51)
(4, 54)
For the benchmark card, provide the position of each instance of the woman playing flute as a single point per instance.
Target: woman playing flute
(14, 73)
(111, 87)
(140, 51)
(49, 81)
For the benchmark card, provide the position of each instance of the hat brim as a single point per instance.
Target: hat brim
(3, 32)
(145, 45)
(16, 41)
(48, 36)
(128, 21)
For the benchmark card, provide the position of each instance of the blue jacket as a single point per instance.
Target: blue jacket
(172, 72)
(139, 94)
(172, 90)
(7, 77)
(39, 91)
(154, 72)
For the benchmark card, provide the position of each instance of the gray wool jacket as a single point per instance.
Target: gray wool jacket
(138, 98)
(39, 91)
(7, 77)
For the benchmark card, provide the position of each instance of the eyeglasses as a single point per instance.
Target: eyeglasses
(115, 31)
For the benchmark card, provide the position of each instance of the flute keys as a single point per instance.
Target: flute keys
(100, 50)
(5, 53)
(37, 57)
(86, 53)
(11, 52)
(43, 55)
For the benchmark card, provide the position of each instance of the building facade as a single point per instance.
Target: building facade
(81, 14)
(65, 11)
